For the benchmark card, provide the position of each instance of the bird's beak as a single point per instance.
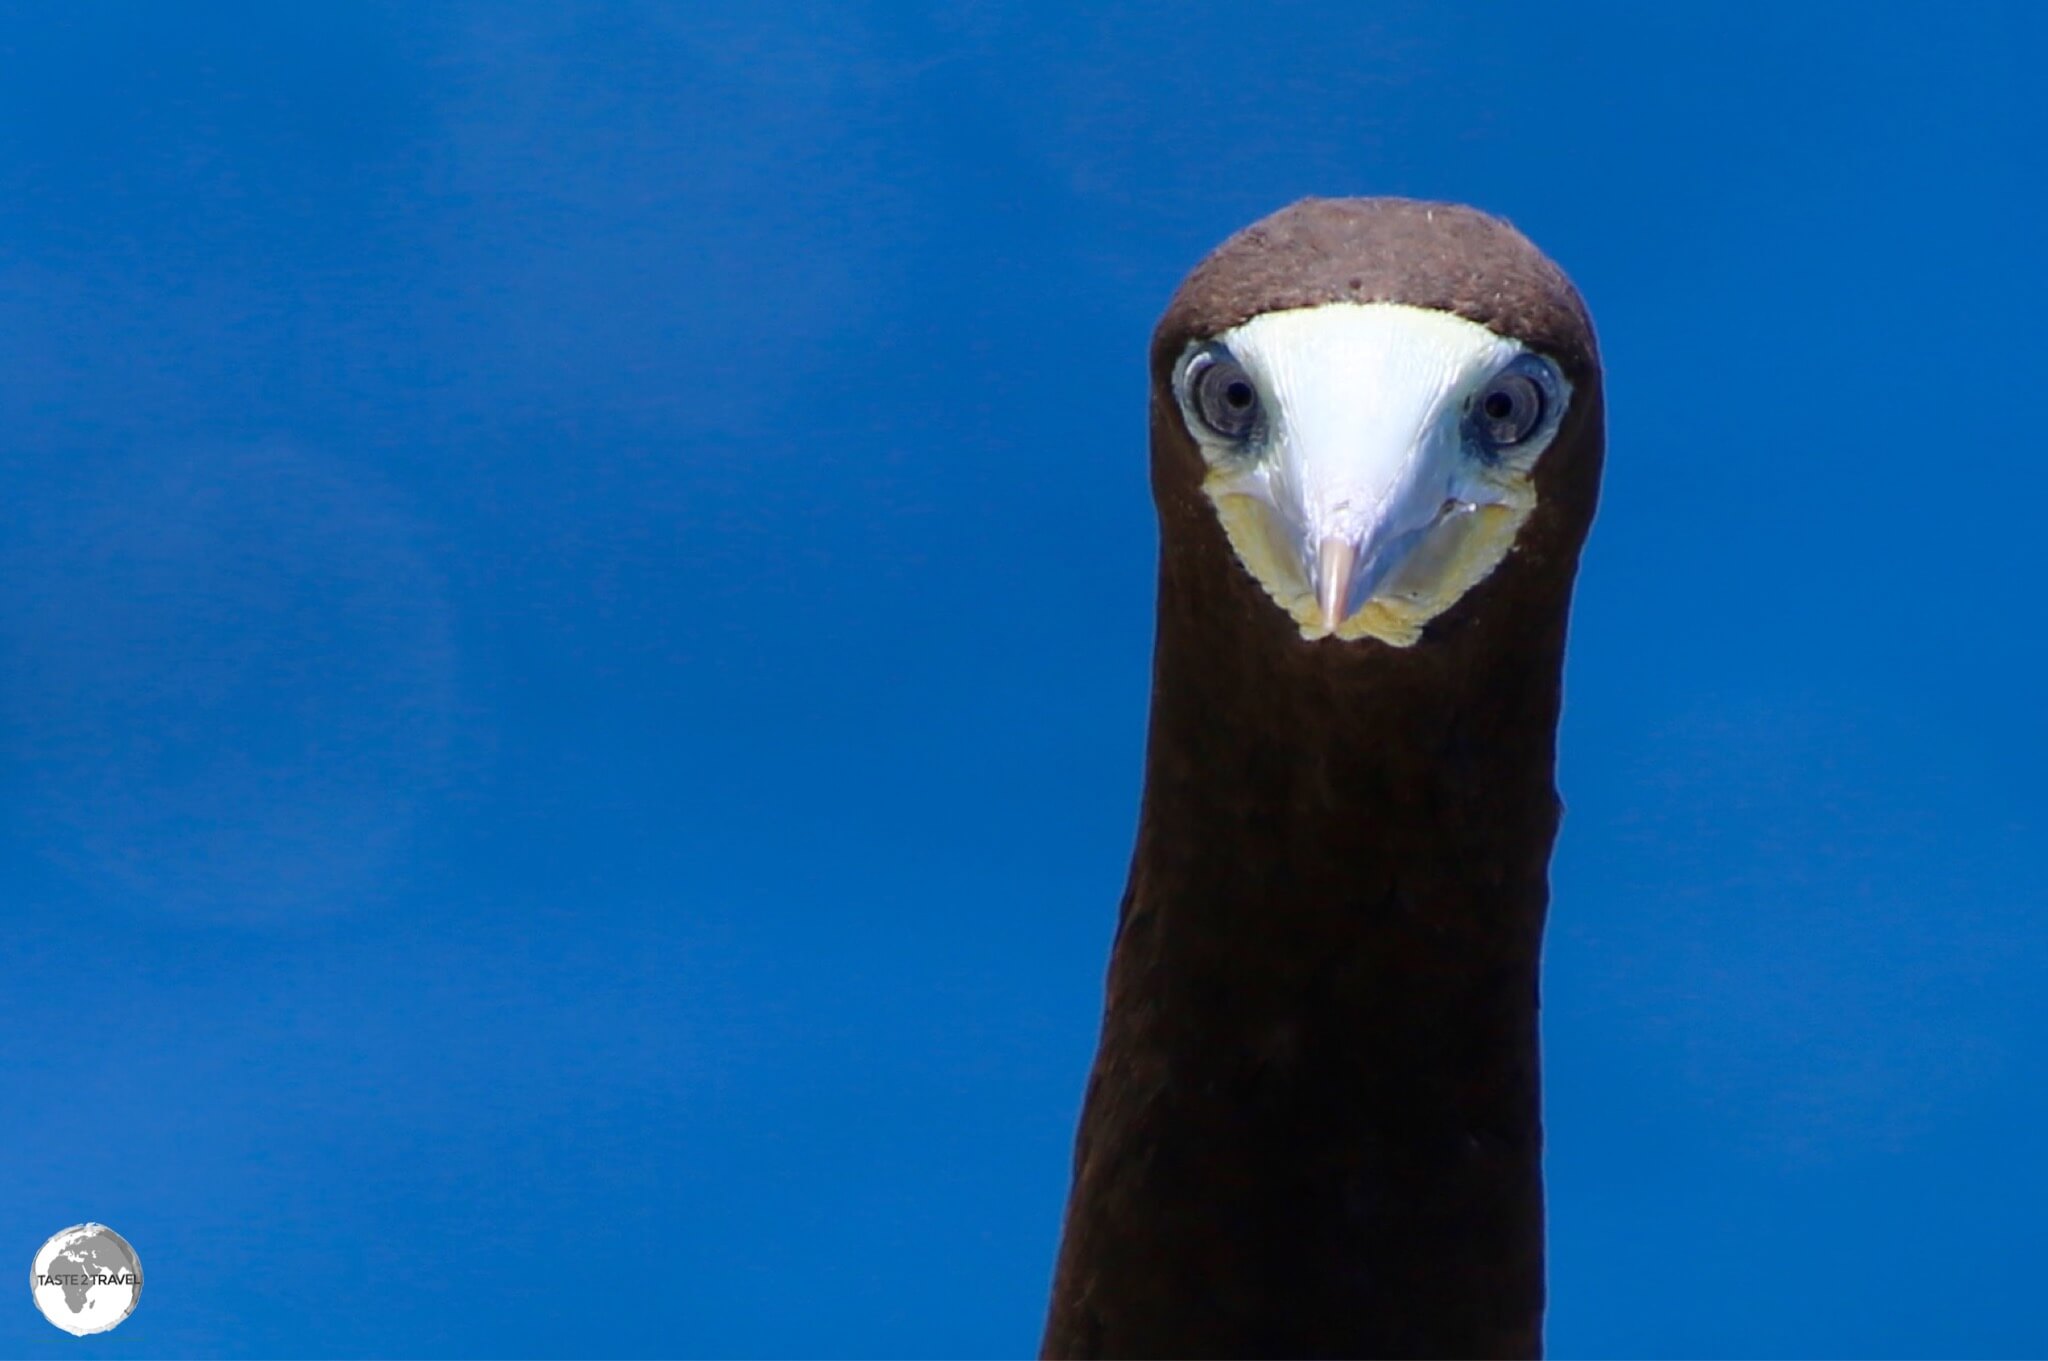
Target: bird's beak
(1369, 494)
(1343, 506)
(1333, 578)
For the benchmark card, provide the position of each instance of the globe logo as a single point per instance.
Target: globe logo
(86, 1279)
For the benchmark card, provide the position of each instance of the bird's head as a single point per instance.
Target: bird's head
(1367, 393)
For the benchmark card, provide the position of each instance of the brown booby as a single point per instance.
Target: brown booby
(1313, 1125)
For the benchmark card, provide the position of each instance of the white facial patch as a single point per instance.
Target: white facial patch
(1366, 458)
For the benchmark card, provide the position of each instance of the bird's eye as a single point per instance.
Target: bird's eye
(1508, 409)
(1223, 395)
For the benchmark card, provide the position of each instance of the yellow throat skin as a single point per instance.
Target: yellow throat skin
(1459, 554)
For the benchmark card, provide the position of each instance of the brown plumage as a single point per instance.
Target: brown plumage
(1313, 1126)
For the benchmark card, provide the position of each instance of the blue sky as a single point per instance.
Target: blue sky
(577, 610)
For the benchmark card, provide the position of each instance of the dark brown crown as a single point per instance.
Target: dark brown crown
(1436, 255)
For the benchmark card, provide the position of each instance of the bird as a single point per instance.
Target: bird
(1313, 1123)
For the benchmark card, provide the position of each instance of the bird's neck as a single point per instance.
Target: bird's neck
(1314, 1125)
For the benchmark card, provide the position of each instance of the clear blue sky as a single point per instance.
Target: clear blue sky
(576, 612)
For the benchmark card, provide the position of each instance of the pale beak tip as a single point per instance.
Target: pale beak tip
(1334, 560)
